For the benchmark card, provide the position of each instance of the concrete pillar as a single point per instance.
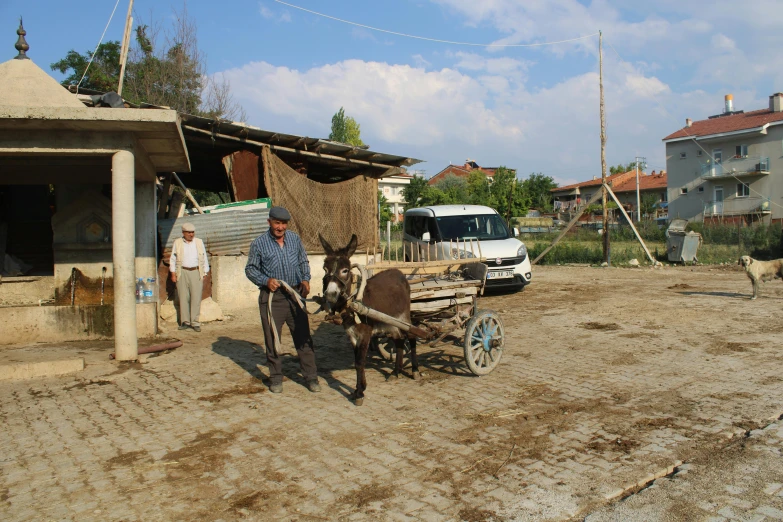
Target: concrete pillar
(124, 255)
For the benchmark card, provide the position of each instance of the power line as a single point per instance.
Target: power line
(96, 47)
(432, 39)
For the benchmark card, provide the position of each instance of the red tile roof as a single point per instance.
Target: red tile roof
(462, 171)
(651, 182)
(732, 123)
(611, 180)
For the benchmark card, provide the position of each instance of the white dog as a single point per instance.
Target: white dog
(761, 271)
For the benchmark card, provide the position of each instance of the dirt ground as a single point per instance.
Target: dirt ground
(609, 378)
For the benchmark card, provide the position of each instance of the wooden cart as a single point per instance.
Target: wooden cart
(444, 302)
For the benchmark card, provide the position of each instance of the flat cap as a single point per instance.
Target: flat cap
(188, 227)
(279, 213)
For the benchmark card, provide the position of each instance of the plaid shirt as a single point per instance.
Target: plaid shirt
(267, 260)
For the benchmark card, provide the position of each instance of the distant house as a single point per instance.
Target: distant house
(391, 187)
(462, 171)
(728, 167)
(570, 197)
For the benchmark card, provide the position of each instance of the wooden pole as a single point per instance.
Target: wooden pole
(125, 45)
(603, 146)
(164, 197)
(187, 192)
(636, 233)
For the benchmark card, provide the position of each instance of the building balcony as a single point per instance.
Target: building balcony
(737, 207)
(736, 168)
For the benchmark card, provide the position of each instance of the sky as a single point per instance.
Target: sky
(534, 109)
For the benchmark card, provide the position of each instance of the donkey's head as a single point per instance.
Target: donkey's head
(338, 277)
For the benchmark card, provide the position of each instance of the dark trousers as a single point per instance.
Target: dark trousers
(285, 310)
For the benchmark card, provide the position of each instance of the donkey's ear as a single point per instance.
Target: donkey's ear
(351, 248)
(327, 247)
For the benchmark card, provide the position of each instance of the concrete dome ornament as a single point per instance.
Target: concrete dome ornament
(21, 43)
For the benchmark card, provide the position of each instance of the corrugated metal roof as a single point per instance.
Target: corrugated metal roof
(241, 130)
(224, 233)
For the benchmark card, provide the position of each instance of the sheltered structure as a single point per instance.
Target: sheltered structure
(78, 204)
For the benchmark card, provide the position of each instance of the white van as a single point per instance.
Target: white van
(465, 231)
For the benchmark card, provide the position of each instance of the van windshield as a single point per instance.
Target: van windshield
(485, 227)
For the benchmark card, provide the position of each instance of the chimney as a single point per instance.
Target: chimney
(688, 122)
(729, 99)
(776, 102)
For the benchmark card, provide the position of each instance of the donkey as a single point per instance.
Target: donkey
(387, 292)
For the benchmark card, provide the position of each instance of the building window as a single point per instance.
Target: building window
(743, 190)
(701, 189)
(741, 151)
(683, 155)
(698, 153)
(684, 190)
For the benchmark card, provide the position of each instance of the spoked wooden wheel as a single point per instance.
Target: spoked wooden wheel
(388, 350)
(484, 341)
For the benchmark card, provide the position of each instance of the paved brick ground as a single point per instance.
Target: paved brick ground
(609, 376)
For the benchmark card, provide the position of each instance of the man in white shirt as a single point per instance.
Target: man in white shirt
(188, 266)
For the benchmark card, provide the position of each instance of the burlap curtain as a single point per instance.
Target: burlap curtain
(334, 210)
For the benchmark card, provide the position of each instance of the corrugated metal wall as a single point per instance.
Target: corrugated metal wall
(224, 233)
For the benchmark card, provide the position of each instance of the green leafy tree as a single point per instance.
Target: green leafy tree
(505, 192)
(104, 72)
(455, 187)
(345, 129)
(647, 205)
(385, 210)
(619, 169)
(413, 191)
(434, 196)
(478, 188)
(537, 188)
(353, 132)
(170, 71)
(339, 129)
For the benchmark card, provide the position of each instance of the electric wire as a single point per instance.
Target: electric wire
(97, 46)
(539, 44)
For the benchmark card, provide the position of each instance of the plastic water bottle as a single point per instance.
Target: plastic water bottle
(140, 290)
(149, 290)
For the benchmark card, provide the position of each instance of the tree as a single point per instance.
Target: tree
(345, 129)
(338, 133)
(455, 188)
(104, 71)
(505, 192)
(385, 210)
(413, 191)
(537, 188)
(619, 169)
(434, 196)
(478, 188)
(647, 205)
(171, 74)
(353, 132)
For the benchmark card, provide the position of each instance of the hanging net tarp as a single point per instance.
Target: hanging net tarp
(335, 210)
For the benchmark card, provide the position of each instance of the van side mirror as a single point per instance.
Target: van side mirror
(425, 237)
(516, 232)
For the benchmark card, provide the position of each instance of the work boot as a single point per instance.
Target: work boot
(313, 386)
(183, 326)
(196, 328)
(276, 388)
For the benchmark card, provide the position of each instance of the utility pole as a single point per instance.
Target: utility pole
(603, 146)
(638, 200)
(125, 45)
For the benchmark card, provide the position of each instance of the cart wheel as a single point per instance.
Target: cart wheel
(388, 350)
(484, 340)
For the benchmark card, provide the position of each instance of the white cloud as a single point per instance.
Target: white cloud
(420, 61)
(269, 14)
(442, 115)
(722, 42)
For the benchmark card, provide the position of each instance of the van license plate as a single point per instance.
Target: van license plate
(500, 274)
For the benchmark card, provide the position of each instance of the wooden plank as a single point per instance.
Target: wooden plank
(431, 294)
(242, 172)
(440, 263)
(568, 227)
(451, 285)
(441, 304)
